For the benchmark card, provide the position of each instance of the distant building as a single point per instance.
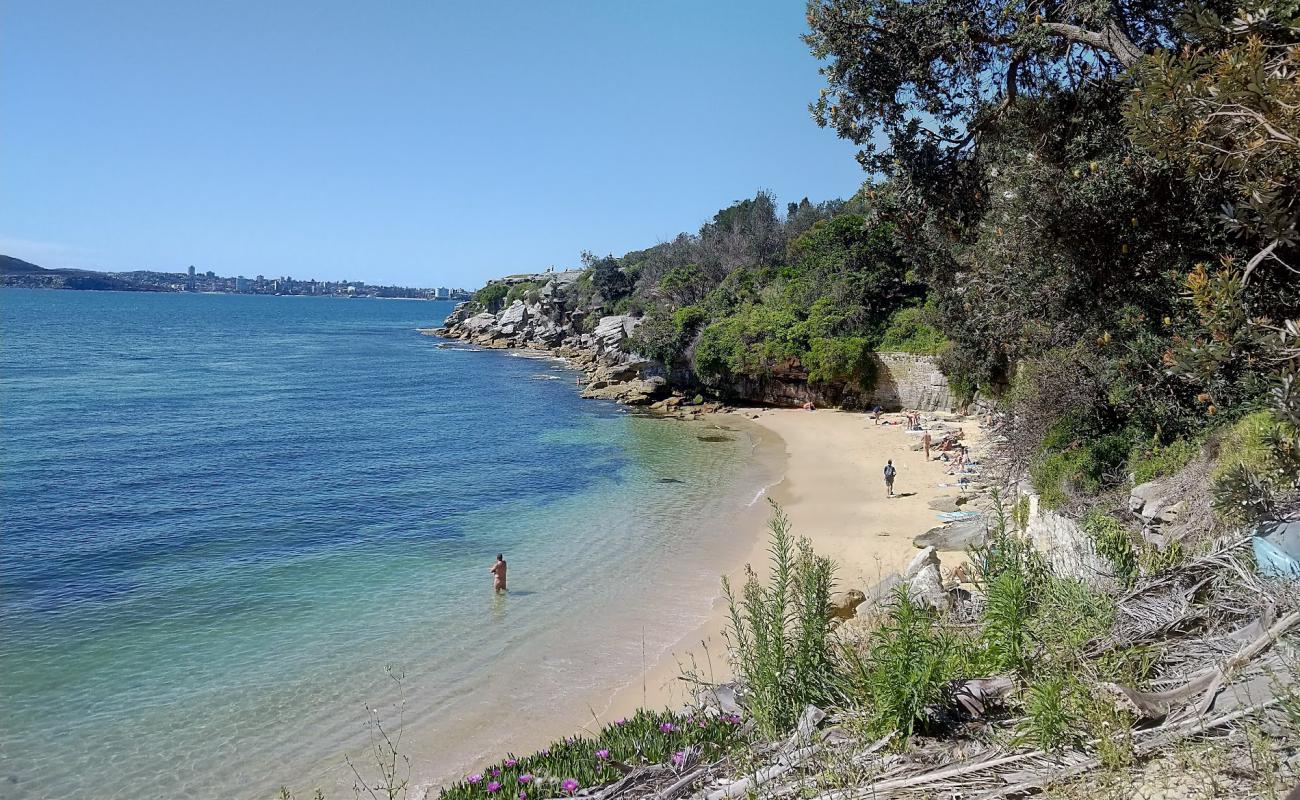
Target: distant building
(241, 284)
(444, 293)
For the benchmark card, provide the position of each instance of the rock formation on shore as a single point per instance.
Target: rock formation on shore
(602, 348)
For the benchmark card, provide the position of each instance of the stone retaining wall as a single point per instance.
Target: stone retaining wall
(904, 380)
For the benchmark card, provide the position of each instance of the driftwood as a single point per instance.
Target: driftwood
(1158, 705)
(783, 765)
(684, 783)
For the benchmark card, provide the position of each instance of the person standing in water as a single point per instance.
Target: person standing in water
(890, 472)
(499, 574)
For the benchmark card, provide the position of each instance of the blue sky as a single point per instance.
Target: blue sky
(420, 143)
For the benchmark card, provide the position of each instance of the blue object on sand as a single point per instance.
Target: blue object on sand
(1277, 549)
(949, 516)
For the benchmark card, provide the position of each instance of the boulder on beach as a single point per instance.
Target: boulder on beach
(844, 605)
(958, 535)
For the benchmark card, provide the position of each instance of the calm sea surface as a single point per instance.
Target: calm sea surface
(224, 518)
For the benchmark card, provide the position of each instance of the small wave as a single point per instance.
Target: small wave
(546, 377)
(759, 494)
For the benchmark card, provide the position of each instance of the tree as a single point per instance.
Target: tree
(1227, 109)
(931, 74)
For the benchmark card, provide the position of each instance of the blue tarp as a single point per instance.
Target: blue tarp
(1277, 548)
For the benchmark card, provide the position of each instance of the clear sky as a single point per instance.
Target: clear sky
(417, 142)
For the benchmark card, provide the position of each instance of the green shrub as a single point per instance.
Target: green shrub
(846, 360)
(491, 296)
(779, 632)
(1257, 461)
(1115, 543)
(1053, 714)
(1009, 606)
(1151, 462)
(687, 318)
(908, 332)
(1070, 465)
(906, 669)
(526, 291)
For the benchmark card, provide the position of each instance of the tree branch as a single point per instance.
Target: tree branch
(1109, 39)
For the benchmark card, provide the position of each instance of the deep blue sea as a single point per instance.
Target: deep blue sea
(224, 517)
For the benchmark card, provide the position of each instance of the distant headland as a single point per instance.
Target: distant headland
(23, 274)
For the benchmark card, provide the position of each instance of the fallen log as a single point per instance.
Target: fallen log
(1158, 705)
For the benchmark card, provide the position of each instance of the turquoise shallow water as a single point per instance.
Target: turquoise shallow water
(223, 517)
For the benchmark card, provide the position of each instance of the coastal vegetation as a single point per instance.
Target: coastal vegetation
(1086, 214)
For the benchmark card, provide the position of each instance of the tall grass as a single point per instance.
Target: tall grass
(905, 671)
(779, 631)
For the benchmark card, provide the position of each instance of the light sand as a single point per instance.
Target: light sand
(834, 494)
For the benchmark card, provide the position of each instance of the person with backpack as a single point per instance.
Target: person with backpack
(890, 472)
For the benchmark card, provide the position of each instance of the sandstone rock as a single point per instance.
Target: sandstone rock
(928, 557)
(844, 605)
(479, 323)
(957, 535)
(612, 332)
(926, 588)
(516, 314)
(944, 504)
(458, 314)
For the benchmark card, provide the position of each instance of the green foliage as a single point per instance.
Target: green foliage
(1052, 713)
(908, 332)
(1149, 462)
(1114, 542)
(609, 279)
(1007, 612)
(526, 291)
(636, 741)
(840, 360)
(491, 296)
(906, 669)
(1227, 109)
(1082, 467)
(778, 632)
(1257, 464)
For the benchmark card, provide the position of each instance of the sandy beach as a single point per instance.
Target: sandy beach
(832, 488)
(834, 494)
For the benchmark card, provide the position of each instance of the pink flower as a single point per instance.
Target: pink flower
(525, 778)
(667, 727)
(620, 722)
(510, 762)
(523, 796)
(473, 779)
(569, 785)
(546, 752)
(679, 758)
(734, 719)
(602, 754)
(493, 787)
(496, 772)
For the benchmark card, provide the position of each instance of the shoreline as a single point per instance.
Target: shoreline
(831, 489)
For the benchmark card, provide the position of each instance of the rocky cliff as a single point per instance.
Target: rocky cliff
(553, 318)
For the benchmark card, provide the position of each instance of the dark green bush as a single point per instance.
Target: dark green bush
(909, 332)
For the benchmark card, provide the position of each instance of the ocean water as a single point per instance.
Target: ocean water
(226, 519)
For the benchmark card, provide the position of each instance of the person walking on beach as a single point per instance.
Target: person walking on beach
(925, 444)
(499, 574)
(890, 472)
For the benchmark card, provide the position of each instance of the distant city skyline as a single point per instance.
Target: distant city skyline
(408, 143)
